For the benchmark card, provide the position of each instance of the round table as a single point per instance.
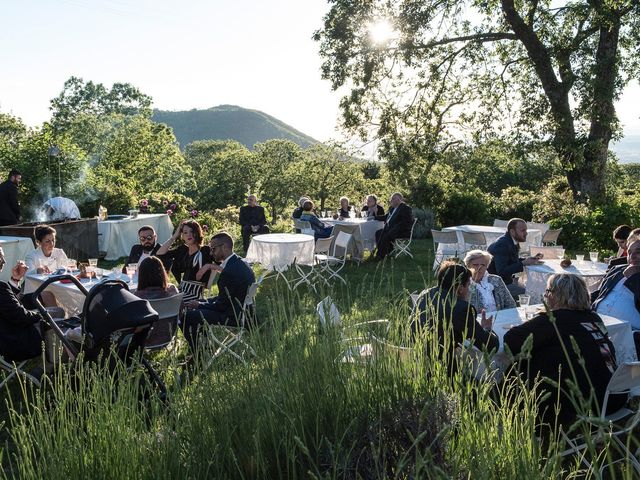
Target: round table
(536, 276)
(277, 251)
(365, 238)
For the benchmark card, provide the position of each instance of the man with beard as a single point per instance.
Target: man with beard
(235, 278)
(147, 248)
(9, 206)
(506, 261)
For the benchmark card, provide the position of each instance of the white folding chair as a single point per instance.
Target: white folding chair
(401, 245)
(303, 225)
(163, 331)
(327, 262)
(547, 252)
(474, 241)
(15, 369)
(445, 245)
(500, 223)
(330, 318)
(624, 380)
(232, 335)
(550, 237)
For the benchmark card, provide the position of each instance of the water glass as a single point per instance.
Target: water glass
(71, 265)
(99, 272)
(93, 262)
(131, 271)
(579, 258)
(116, 273)
(523, 300)
(561, 253)
(90, 272)
(593, 256)
(134, 266)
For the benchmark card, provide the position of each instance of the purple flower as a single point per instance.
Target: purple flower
(173, 206)
(169, 212)
(194, 213)
(205, 227)
(144, 202)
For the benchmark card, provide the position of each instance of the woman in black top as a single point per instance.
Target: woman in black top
(188, 257)
(372, 208)
(554, 358)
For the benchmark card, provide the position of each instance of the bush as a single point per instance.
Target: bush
(426, 221)
(515, 202)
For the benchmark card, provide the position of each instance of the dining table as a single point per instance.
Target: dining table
(536, 276)
(363, 233)
(117, 236)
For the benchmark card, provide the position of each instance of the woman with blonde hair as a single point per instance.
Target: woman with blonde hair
(487, 291)
(570, 348)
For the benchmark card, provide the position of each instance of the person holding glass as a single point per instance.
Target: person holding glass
(46, 258)
(553, 357)
(345, 209)
(487, 291)
(372, 208)
(187, 258)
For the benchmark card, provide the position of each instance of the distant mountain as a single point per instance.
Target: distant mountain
(229, 122)
(628, 149)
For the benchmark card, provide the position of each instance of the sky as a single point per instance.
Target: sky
(257, 54)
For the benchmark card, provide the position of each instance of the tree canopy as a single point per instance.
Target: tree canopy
(538, 71)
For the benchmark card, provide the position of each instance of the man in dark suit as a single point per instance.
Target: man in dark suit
(618, 294)
(20, 337)
(506, 261)
(252, 221)
(233, 283)
(9, 206)
(147, 247)
(397, 224)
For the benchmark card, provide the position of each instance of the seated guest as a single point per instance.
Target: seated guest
(372, 208)
(320, 230)
(506, 261)
(345, 208)
(20, 337)
(446, 308)
(235, 279)
(620, 236)
(297, 212)
(397, 224)
(147, 247)
(46, 258)
(487, 291)
(618, 294)
(553, 356)
(252, 221)
(187, 258)
(152, 280)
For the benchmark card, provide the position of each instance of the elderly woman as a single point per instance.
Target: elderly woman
(372, 208)
(46, 258)
(445, 308)
(345, 208)
(298, 210)
(554, 358)
(320, 230)
(487, 291)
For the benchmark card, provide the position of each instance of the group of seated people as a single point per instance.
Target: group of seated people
(398, 222)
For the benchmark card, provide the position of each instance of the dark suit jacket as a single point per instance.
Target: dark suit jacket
(19, 338)
(9, 207)
(398, 224)
(136, 253)
(233, 283)
(379, 209)
(614, 262)
(610, 280)
(505, 260)
(252, 216)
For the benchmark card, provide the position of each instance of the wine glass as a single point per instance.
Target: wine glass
(71, 265)
(561, 253)
(98, 272)
(134, 266)
(116, 273)
(593, 256)
(131, 271)
(524, 300)
(90, 272)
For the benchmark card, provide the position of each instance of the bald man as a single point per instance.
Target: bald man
(252, 221)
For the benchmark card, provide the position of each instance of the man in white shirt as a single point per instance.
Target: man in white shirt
(619, 292)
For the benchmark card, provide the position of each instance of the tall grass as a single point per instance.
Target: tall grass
(296, 410)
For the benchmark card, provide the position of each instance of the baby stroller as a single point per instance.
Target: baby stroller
(114, 324)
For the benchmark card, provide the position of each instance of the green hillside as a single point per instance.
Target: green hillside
(229, 122)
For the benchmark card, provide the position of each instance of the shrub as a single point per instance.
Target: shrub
(515, 202)
(426, 221)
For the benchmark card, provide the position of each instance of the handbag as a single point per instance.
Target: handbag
(191, 290)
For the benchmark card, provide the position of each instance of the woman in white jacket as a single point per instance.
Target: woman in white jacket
(46, 258)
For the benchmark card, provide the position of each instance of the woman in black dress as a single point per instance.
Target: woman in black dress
(187, 259)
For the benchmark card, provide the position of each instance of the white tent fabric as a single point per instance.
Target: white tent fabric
(61, 208)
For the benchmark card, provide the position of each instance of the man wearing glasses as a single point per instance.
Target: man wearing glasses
(147, 248)
(234, 279)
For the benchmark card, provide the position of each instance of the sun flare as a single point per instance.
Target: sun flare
(381, 31)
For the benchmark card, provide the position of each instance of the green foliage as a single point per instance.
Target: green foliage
(515, 202)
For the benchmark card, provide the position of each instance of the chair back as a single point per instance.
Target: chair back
(625, 379)
(328, 313)
(342, 241)
(543, 227)
(162, 331)
(550, 253)
(323, 245)
(551, 236)
(500, 223)
(303, 225)
(476, 239)
(450, 238)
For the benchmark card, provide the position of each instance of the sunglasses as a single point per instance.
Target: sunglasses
(146, 237)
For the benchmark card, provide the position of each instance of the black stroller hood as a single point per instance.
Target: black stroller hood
(110, 307)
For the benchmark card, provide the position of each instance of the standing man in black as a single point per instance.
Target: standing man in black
(9, 206)
(252, 220)
(397, 224)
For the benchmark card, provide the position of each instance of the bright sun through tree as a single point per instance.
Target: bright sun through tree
(381, 31)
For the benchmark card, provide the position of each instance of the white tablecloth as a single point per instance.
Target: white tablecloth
(116, 237)
(536, 276)
(534, 237)
(67, 294)
(276, 251)
(368, 229)
(619, 332)
(14, 248)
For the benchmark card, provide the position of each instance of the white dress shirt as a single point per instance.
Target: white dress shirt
(620, 303)
(36, 259)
